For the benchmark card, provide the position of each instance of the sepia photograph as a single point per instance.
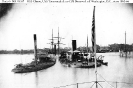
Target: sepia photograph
(66, 45)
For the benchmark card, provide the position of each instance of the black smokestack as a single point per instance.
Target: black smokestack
(35, 37)
(4, 8)
(74, 45)
(55, 49)
(35, 47)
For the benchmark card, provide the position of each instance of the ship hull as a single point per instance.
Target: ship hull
(79, 64)
(40, 66)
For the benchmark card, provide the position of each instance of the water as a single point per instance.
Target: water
(119, 69)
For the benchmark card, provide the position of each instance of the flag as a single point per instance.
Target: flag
(93, 39)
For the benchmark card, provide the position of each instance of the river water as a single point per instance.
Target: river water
(119, 69)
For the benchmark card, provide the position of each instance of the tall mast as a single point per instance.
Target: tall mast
(125, 44)
(52, 41)
(58, 42)
(94, 43)
(87, 44)
(94, 38)
(35, 48)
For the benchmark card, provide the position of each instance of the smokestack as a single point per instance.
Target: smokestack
(55, 49)
(35, 48)
(74, 45)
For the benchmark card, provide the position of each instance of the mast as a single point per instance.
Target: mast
(58, 42)
(125, 44)
(35, 48)
(94, 43)
(87, 44)
(52, 41)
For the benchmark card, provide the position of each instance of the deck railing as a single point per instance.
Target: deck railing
(101, 84)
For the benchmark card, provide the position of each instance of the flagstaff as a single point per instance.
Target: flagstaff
(94, 39)
(94, 43)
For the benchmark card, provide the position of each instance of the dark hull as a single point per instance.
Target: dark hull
(35, 68)
(103, 63)
(79, 64)
(90, 66)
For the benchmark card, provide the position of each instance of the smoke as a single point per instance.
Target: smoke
(4, 8)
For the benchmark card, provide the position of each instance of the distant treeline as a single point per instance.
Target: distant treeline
(109, 48)
(16, 51)
(123, 47)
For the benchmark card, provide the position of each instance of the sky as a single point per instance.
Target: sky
(74, 21)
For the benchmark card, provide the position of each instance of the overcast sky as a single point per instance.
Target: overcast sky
(74, 21)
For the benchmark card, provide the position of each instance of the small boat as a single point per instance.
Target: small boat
(100, 60)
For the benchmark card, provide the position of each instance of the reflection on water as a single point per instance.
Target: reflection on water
(118, 70)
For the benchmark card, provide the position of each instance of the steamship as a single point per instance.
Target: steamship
(41, 61)
(78, 59)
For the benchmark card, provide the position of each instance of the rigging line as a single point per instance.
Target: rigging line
(105, 80)
(74, 84)
(65, 86)
(86, 82)
(100, 84)
(116, 81)
(102, 81)
(92, 85)
(125, 82)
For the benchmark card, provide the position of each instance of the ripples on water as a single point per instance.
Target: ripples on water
(118, 69)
